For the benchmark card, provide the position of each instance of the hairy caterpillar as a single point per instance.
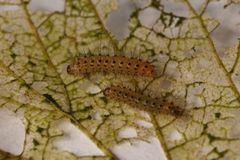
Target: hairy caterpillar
(111, 64)
(135, 99)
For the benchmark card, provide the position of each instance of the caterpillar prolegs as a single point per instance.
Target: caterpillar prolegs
(111, 64)
(135, 99)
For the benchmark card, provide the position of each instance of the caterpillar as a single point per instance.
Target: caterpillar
(111, 64)
(135, 99)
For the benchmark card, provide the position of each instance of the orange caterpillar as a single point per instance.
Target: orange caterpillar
(111, 64)
(135, 99)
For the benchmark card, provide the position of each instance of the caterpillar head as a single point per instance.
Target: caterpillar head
(110, 92)
(76, 68)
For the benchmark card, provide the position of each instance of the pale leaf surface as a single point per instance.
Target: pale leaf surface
(196, 69)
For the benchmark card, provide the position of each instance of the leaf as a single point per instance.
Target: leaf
(36, 47)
